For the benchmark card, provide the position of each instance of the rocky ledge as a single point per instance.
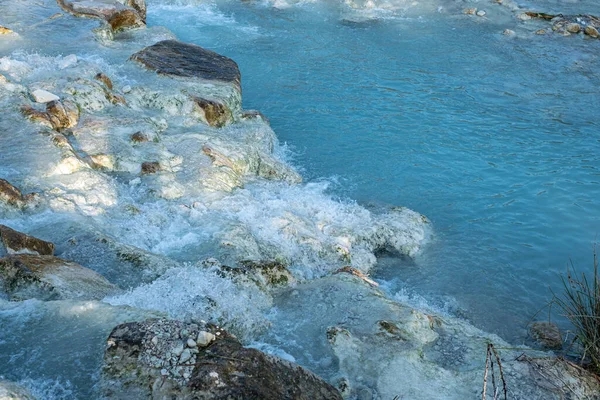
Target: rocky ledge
(14, 242)
(27, 276)
(184, 60)
(160, 358)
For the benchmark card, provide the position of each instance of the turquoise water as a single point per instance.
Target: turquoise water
(494, 138)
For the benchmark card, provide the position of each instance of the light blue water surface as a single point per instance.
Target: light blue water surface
(496, 139)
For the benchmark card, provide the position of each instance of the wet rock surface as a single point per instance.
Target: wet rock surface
(385, 349)
(12, 391)
(15, 242)
(213, 112)
(58, 115)
(165, 358)
(569, 24)
(171, 57)
(12, 196)
(546, 334)
(119, 14)
(50, 278)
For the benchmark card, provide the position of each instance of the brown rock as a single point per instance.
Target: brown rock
(573, 28)
(125, 19)
(36, 116)
(116, 99)
(62, 115)
(150, 167)
(11, 195)
(139, 137)
(104, 79)
(139, 6)
(5, 31)
(213, 112)
(547, 334)
(470, 11)
(26, 276)
(119, 14)
(591, 31)
(58, 115)
(19, 243)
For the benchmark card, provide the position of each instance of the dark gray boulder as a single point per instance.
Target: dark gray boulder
(171, 57)
(161, 358)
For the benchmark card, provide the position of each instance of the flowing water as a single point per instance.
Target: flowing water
(494, 138)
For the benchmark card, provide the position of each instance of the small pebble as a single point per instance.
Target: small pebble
(524, 17)
(540, 32)
(126, 89)
(508, 32)
(481, 13)
(573, 28)
(185, 356)
(191, 343)
(204, 338)
(43, 96)
(178, 349)
(470, 11)
(591, 31)
(164, 372)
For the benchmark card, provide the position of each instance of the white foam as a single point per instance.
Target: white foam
(194, 292)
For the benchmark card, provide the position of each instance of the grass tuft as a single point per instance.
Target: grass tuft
(580, 303)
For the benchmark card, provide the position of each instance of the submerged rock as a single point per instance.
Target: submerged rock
(50, 278)
(547, 334)
(267, 273)
(232, 162)
(385, 349)
(104, 79)
(150, 167)
(19, 243)
(152, 359)
(119, 14)
(12, 391)
(12, 196)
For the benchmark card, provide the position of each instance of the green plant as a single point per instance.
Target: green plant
(580, 303)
